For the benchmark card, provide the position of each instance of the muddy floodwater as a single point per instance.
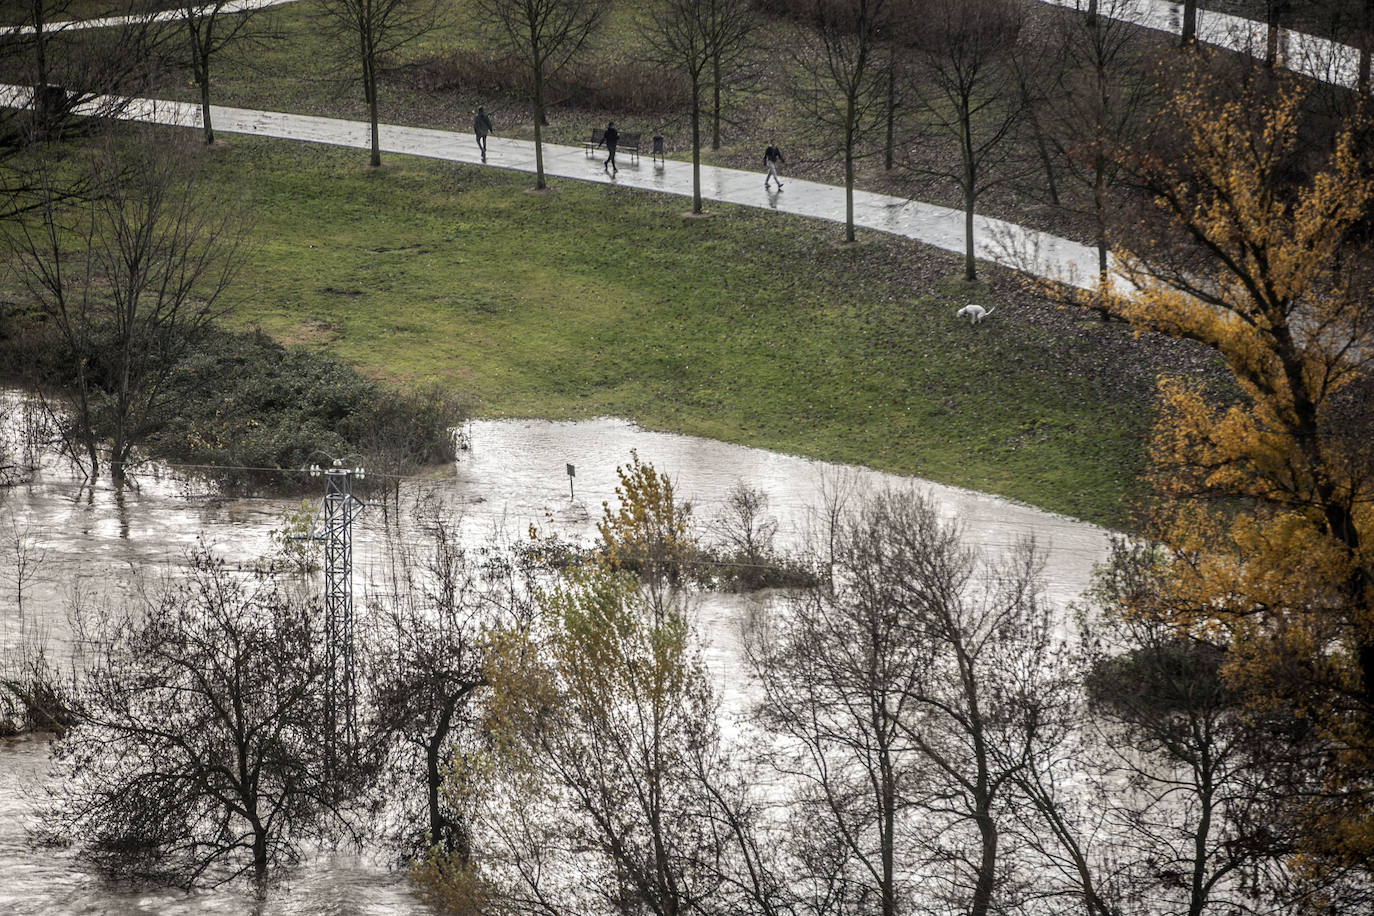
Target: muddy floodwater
(511, 474)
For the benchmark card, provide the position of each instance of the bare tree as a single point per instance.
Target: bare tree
(969, 93)
(368, 31)
(425, 654)
(23, 558)
(696, 37)
(196, 753)
(210, 28)
(914, 690)
(545, 35)
(732, 66)
(129, 277)
(97, 71)
(985, 701)
(837, 672)
(1097, 109)
(843, 85)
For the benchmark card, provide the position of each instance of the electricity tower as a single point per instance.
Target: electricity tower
(338, 508)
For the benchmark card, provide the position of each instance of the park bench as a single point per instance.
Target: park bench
(628, 143)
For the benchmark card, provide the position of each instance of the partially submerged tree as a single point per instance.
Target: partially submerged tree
(909, 695)
(1202, 828)
(650, 532)
(545, 35)
(426, 648)
(196, 756)
(128, 277)
(605, 720)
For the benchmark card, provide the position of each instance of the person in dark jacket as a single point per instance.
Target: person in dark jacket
(481, 126)
(772, 158)
(611, 137)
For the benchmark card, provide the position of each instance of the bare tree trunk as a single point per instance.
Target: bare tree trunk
(889, 144)
(539, 182)
(1188, 32)
(204, 80)
(370, 91)
(1366, 43)
(1272, 33)
(201, 67)
(981, 904)
(970, 193)
(715, 100)
(696, 143)
(1100, 217)
(889, 825)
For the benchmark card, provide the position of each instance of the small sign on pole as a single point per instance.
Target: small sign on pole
(572, 472)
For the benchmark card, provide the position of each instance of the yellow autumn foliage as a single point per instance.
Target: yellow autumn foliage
(1266, 501)
(649, 531)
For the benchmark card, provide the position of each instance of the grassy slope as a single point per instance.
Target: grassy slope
(750, 328)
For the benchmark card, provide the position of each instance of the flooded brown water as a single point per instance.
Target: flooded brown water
(513, 474)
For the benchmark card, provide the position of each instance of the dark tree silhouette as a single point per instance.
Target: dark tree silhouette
(196, 752)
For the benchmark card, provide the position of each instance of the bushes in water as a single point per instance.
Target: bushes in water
(32, 695)
(243, 401)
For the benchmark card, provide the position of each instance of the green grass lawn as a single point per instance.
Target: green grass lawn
(751, 327)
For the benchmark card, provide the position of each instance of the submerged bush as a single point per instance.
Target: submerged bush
(243, 404)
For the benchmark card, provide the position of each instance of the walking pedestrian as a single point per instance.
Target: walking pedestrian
(481, 126)
(611, 137)
(772, 158)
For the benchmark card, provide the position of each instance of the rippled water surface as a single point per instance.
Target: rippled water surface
(512, 474)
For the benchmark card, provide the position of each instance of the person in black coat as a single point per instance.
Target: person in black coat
(481, 126)
(610, 138)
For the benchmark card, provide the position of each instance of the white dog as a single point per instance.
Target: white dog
(974, 313)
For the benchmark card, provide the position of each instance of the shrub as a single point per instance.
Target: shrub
(32, 698)
(242, 405)
(623, 86)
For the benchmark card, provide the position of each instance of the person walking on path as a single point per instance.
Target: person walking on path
(771, 158)
(481, 126)
(611, 137)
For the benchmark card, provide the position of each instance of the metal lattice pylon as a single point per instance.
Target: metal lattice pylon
(338, 508)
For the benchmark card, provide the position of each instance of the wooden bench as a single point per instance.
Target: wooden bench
(628, 142)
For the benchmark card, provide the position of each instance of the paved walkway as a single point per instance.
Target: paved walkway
(996, 241)
(1319, 58)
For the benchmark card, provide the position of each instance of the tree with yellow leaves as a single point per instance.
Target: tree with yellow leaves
(1267, 501)
(650, 531)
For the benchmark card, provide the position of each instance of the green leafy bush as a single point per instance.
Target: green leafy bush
(242, 405)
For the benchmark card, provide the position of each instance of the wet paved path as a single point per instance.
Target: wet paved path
(996, 241)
